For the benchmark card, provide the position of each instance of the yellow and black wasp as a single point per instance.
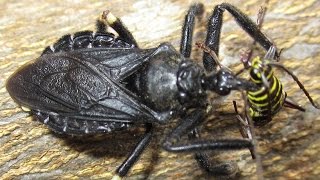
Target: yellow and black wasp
(270, 97)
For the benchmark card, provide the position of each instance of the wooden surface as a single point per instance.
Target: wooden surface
(289, 145)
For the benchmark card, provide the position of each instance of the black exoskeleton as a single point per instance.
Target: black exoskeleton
(90, 83)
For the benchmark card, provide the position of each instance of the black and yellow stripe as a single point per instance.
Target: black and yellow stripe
(266, 101)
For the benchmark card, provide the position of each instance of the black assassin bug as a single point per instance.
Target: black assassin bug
(89, 83)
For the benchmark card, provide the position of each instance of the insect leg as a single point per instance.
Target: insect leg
(194, 119)
(290, 104)
(244, 127)
(217, 168)
(101, 26)
(118, 26)
(187, 30)
(214, 31)
(135, 154)
(247, 55)
(247, 131)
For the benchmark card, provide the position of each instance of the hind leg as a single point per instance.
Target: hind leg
(108, 18)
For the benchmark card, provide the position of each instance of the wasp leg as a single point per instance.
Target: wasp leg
(214, 31)
(187, 30)
(244, 128)
(292, 105)
(135, 154)
(118, 26)
(247, 131)
(198, 146)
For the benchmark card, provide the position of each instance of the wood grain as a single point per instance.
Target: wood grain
(289, 145)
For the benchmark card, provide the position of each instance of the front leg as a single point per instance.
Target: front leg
(214, 31)
(187, 29)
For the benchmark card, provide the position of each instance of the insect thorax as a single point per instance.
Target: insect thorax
(258, 69)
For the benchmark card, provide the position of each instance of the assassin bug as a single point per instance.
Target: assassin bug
(94, 82)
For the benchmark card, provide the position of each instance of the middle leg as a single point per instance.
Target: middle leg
(224, 169)
(198, 146)
(137, 151)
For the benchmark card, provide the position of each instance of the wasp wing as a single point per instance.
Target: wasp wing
(82, 85)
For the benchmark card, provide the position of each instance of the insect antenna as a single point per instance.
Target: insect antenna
(295, 78)
(212, 54)
(209, 51)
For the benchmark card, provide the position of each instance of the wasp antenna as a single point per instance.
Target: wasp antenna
(261, 15)
(295, 78)
(211, 52)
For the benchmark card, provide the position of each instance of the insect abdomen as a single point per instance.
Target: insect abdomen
(262, 100)
(66, 125)
(86, 39)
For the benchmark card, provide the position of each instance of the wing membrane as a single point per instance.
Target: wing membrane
(116, 63)
(82, 85)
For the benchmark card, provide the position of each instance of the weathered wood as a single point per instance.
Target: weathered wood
(289, 145)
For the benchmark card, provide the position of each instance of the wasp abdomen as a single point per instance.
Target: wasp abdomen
(266, 101)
